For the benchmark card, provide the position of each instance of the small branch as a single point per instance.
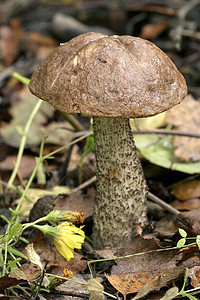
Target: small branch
(84, 184)
(163, 204)
(167, 132)
(155, 131)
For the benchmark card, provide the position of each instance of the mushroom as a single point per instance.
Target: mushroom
(112, 79)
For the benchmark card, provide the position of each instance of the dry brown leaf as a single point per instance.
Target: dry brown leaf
(194, 274)
(185, 117)
(167, 226)
(10, 37)
(20, 112)
(6, 282)
(187, 189)
(107, 253)
(26, 166)
(193, 218)
(70, 287)
(155, 268)
(31, 271)
(190, 204)
(129, 284)
(59, 133)
(152, 31)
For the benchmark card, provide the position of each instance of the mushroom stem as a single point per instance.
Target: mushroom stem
(121, 187)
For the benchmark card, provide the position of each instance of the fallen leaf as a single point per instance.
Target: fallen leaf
(6, 282)
(31, 271)
(10, 38)
(143, 291)
(186, 189)
(33, 256)
(127, 284)
(170, 294)
(185, 117)
(190, 204)
(152, 31)
(59, 133)
(26, 166)
(167, 226)
(107, 253)
(160, 151)
(149, 122)
(96, 289)
(20, 112)
(194, 274)
(70, 287)
(18, 274)
(152, 266)
(193, 218)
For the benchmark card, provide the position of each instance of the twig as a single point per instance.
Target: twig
(167, 132)
(84, 184)
(156, 131)
(163, 204)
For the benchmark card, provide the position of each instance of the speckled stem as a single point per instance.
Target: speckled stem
(121, 186)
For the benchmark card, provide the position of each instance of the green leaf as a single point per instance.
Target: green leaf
(182, 232)
(170, 294)
(1, 258)
(19, 129)
(15, 213)
(13, 264)
(89, 146)
(160, 152)
(24, 240)
(188, 295)
(16, 252)
(14, 230)
(4, 218)
(181, 243)
(198, 242)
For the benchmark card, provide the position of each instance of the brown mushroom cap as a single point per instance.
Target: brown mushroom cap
(116, 76)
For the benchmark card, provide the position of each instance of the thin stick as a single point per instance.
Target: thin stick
(84, 184)
(167, 132)
(156, 131)
(163, 204)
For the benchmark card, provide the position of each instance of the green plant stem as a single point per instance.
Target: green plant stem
(137, 254)
(25, 226)
(39, 160)
(74, 122)
(23, 142)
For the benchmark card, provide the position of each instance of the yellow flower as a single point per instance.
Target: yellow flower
(69, 237)
(66, 237)
(68, 273)
(73, 216)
